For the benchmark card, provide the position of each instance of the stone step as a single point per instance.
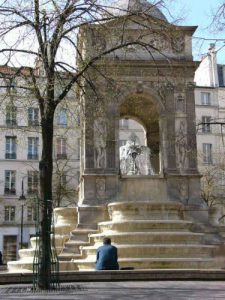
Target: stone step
(68, 256)
(72, 243)
(26, 265)
(149, 237)
(163, 210)
(155, 263)
(59, 240)
(145, 225)
(74, 246)
(62, 229)
(158, 251)
(81, 234)
(26, 252)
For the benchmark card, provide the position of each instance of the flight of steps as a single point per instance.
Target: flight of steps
(79, 237)
(66, 221)
(150, 235)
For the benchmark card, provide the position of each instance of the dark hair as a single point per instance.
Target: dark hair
(106, 241)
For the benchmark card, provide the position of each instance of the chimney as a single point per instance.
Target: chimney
(214, 81)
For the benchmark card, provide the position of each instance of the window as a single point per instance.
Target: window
(10, 147)
(205, 98)
(206, 127)
(32, 182)
(207, 153)
(124, 124)
(11, 115)
(33, 116)
(31, 214)
(10, 182)
(62, 118)
(32, 148)
(61, 148)
(10, 213)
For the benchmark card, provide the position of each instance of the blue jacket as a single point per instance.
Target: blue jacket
(107, 258)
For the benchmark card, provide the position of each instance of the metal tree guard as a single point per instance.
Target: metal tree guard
(53, 273)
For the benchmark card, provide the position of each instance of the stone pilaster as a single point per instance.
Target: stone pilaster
(191, 129)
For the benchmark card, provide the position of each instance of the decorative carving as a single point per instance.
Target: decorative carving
(180, 103)
(158, 42)
(181, 146)
(191, 85)
(100, 188)
(135, 159)
(97, 40)
(140, 87)
(183, 190)
(178, 43)
(163, 89)
(100, 135)
(169, 86)
(180, 87)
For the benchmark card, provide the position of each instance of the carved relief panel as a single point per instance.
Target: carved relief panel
(180, 103)
(100, 135)
(181, 145)
(100, 188)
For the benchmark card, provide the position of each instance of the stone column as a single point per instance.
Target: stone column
(191, 129)
(170, 131)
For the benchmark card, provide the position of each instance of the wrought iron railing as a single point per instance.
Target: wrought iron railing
(39, 257)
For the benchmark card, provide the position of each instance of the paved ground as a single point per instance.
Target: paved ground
(155, 290)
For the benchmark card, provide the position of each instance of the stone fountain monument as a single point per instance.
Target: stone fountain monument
(146, 198)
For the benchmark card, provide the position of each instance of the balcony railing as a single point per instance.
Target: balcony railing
(9, 191)
(11, 122)
(33, 123)
(10, 155)
(62, 156)
(32, 156)
(32, 191)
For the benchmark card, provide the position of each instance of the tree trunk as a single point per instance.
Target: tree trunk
(46, 170)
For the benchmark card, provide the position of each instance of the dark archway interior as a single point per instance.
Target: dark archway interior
(144, 109)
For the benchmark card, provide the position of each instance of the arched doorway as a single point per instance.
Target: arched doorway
(139, 123)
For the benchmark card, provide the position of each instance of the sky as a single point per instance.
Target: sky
(196, 13)
(199, 12)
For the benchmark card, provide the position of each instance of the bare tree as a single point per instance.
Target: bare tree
(218, 18)
(42, 32)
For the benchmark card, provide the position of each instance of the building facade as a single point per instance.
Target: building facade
(210, 122)
(20, 152)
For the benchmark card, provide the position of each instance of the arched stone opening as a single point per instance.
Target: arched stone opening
(143, 110)
(131, 129)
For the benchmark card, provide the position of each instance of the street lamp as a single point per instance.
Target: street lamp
(21, 198)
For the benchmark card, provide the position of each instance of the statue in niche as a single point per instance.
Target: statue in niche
(135, 159)
(181, 146)
(100, 135)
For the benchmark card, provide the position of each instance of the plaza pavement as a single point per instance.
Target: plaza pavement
(138, 290)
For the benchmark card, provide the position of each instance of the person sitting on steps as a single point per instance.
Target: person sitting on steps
(107, 256)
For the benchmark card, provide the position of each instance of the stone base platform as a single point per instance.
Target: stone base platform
(121, 275)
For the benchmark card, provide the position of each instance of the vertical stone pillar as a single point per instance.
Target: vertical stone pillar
(169, 122)
(99, 172)
(191, 129)
(111, 138)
